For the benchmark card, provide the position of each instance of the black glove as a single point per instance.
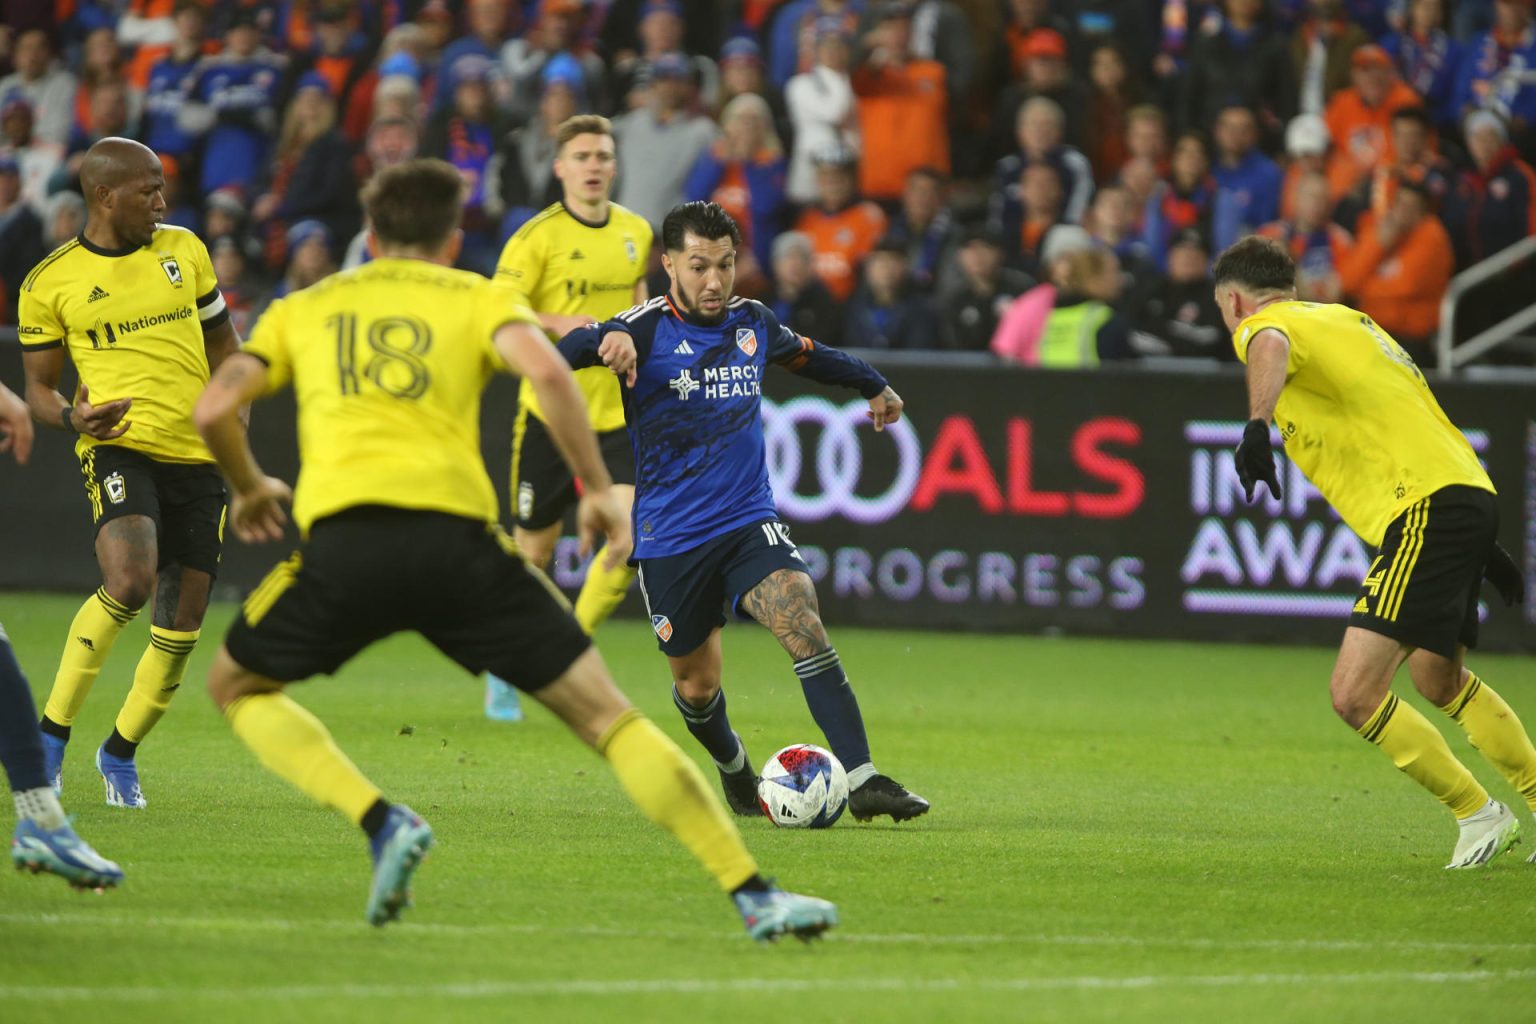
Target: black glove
(1255, 460)
(1505, 576)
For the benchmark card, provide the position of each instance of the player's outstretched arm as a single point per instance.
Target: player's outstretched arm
(15, 425)
(103, 422)
(256, 510)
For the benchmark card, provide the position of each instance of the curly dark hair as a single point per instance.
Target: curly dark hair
(708, 221)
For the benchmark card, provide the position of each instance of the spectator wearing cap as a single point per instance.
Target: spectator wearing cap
(1247, 181)
(309, 258)
(1184, 200)
(1493, 205)
(1023, 18)
(527, 157)
(743, 171)
(1315, 242)
(886, 311)
(659, 143)
(1068, 321)
(1428, 58)
(798, 297)
(1415, 157)
(903, 107)
(1040, 129)
(1321, 48)
(1360, 118)
(468, 134)
(1047, 75)
(1399, 267)
(742, 72)
(168, 82)
(63, 218)
(21, 236)
(36, 160)
(555, 35)
(1492, 68)
(232, 104)
(337, 52)
(44, 82)
(312, 175)
(796, 31)
(1239, 58)
(1176, 314)
(661, 32)
(842, 227)
(1306, 150)
(821, 107)
(225, 215)
(923, 224)
(489, 24)
(985, 288)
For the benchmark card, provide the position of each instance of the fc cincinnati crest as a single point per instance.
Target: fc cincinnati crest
(172, 270)
(746, 340)
(630, 250)
(663, 626)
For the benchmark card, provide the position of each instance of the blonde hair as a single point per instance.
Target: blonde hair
(752, 103)
(582, 124)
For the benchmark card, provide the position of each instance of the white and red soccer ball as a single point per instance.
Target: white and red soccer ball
(803, 786)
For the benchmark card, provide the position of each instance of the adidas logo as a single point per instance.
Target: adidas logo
(684, 349)
(85, 642)
(1361, 608)
(576, 254)
(96, 293)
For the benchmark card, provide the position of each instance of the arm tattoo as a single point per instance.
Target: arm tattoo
(785, 602)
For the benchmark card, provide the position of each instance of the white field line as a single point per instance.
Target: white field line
(408, 927)
(736, 986)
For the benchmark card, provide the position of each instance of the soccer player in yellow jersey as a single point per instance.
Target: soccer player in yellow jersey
(578, 262)
(136, 306)
(398, 515)
(1357, 417)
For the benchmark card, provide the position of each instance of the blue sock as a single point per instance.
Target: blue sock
(21, 744)
(836, 711)
(712, 729)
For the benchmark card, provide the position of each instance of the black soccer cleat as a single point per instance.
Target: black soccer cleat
(884, 795)
(741, 791)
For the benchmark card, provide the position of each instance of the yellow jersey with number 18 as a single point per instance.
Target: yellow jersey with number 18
(1357, 416)
(558, 263)
(387, 363)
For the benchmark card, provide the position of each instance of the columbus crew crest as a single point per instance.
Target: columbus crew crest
(172, 270)
(746, 340)
(630, 250)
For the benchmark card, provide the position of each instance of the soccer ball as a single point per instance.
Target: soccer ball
(803, 786)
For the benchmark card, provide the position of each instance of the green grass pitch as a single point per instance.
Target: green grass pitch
(1121, 832)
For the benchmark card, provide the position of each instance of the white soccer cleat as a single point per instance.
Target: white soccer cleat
(1485, 835)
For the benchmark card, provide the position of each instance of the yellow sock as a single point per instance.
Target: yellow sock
(293, 743)
(91, 635)
(1421, 753)
(1495, 730)
(155, 681)
(601, 592)
(670, 790)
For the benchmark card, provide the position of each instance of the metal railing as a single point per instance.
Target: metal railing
(1449, 355)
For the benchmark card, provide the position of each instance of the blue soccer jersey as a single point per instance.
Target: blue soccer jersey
(695, 414)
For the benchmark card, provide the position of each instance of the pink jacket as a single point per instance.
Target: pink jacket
(1018, 334)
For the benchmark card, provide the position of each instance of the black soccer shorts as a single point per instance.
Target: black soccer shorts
(687, 595)
(187, 502)
(368, 572)
(1423, 585)
(542, 486)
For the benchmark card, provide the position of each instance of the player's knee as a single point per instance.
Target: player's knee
(1353, 705)
(228, 682)
(697, 688)
(130, 586)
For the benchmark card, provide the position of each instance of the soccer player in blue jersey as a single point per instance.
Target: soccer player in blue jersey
(707, 535)
(44, 840)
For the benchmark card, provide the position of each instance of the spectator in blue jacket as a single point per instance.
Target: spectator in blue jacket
(1247, 182)
(487, 34)
(170, 79)
(233, 99)
(887, 311)
(1491, 69)
(1428, 58)
(744, 171)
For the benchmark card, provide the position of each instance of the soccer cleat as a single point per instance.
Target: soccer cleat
(741, 791)
(882, 794)
(501, 703)
(1485, 835)
(122, 778)
(397, 851)
(53, 762)
(62, 853)
(775, 912)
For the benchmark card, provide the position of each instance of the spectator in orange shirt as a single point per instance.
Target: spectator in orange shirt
(903, 107)
(1399, 267)
(1315, 242)
(1414, 157)
(843, 228)
(1360, 117)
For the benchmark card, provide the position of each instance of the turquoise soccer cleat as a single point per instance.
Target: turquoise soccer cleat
(397, 851)
(775, 912)
(62, 853)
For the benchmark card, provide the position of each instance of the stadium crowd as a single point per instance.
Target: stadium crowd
(1045, 179)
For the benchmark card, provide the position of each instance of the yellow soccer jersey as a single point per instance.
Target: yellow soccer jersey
(559, 264)
(387, 363)
(132, 322)
(1358, 418)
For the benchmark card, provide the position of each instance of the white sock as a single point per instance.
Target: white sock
(40, 806)
(738, 762)
(1487, 812)
(860, 775)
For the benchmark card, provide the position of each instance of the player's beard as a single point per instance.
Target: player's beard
(691, 307)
